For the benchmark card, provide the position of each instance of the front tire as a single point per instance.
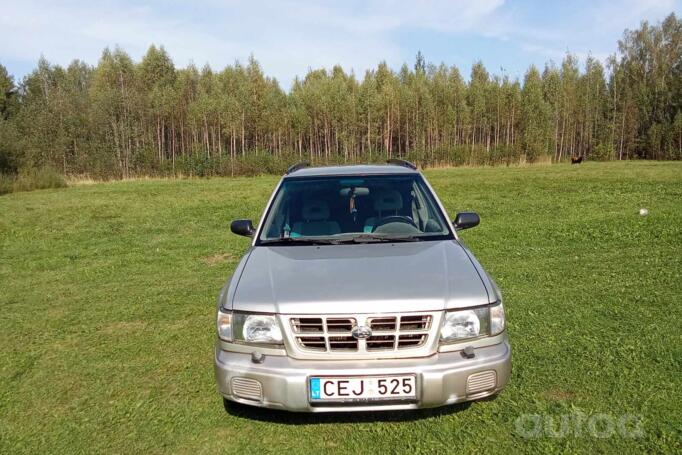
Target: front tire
(235, 408)
(230, 406)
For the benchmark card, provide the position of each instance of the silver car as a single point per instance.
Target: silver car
(357, 295)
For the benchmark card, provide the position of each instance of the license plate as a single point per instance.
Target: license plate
(351, 388)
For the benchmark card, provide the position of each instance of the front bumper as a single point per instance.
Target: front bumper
(443, 378)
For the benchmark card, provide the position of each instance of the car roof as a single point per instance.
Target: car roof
(362, 169)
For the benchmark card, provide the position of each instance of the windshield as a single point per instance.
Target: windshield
(354, 209)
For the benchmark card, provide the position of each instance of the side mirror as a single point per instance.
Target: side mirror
(243, 227)
(466, 220)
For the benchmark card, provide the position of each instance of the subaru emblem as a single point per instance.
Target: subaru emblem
(361, 332)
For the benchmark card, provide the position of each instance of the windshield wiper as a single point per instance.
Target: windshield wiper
(299, 241)
(359, 238)
(372, 238)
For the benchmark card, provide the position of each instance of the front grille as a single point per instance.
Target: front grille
(389, 332)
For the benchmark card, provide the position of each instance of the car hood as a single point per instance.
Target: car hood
(362, 278)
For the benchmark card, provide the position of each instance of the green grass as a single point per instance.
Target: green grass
(107, 315)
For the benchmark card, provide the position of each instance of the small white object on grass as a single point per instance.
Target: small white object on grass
(643, 211)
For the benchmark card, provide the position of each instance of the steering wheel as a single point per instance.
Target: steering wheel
(395, 219)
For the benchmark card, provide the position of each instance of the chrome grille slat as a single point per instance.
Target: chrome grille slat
(394, 332)
(340, 324)
(411, 341)
(416, 322)
(309, 325)
(386, 323)
(343, 343)
(380, 342)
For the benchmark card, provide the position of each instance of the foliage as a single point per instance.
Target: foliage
(647, 88)
(108, 300)
(534, 114)
(123, 118)
(6, 183)
(30, 179)
(603, 152)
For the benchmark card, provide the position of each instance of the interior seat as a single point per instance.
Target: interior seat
(386, 203)
(315, 221)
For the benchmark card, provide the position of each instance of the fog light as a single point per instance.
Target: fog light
(480, 382)
(247, 388)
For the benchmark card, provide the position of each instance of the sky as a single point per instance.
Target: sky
(289, 37)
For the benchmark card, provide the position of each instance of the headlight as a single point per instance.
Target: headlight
(497, 322)
(224, 325)
(462, 324)
(256, 328)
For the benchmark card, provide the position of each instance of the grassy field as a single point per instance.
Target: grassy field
(107, 316)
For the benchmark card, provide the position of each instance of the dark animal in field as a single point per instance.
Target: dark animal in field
(577, 159)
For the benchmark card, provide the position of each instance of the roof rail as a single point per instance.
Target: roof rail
(404, 163)
(295, 167)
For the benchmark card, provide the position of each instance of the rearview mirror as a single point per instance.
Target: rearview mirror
(357, 191)
(243, 227)
(466, 220)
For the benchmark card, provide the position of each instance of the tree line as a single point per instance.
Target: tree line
(123, 118)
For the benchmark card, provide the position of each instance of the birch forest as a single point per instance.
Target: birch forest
(123, 118)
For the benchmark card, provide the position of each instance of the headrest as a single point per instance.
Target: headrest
(315, 211)
(388, 200)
